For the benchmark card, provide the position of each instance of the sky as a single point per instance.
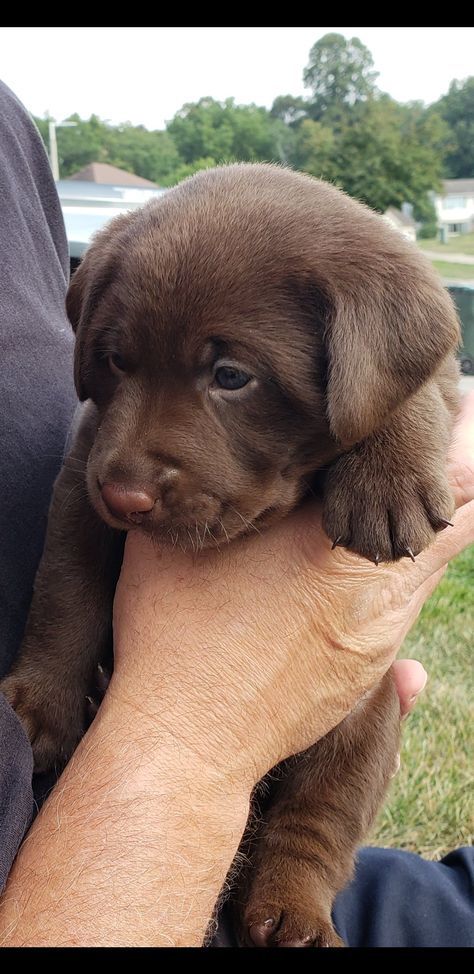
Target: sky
(145, 74)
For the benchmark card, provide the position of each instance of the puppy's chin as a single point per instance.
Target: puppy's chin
(212, 534)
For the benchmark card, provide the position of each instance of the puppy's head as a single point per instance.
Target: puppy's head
(235, 336)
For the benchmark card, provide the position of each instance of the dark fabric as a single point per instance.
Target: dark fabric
(37, 397)
(396, 899)
(16, 797)
(37, 400)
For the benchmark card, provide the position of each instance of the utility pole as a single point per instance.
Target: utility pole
(53, 145)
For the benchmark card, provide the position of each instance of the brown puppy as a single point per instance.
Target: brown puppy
(250, 334)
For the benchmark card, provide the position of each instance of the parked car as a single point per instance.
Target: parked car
(89, 206)
(463, 297)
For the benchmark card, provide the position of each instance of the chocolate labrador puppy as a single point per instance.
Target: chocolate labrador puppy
(250, 336)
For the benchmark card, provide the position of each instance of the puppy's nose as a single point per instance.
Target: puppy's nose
(123, 502)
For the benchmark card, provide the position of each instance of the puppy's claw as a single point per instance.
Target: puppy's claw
(92, 708)
(102, 679)
(336, 542)
(445, 523)
(101, 682)
(410, 553)
(377, 559)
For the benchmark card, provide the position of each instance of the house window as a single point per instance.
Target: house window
(455, 202)
(455, 227)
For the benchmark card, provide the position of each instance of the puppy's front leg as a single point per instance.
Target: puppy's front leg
(69, 625)
(388, 495)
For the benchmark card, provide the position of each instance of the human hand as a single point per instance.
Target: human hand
(251, 653)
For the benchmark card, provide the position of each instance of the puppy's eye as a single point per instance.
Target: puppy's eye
(227, 377)
(117, 364)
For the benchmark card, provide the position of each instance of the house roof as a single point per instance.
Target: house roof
(101, 172)
(458, 187)
(400, 217)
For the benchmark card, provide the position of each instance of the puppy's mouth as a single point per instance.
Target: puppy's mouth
(216, 524)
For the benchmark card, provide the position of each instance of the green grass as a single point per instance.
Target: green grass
(461, 244)
(431, 803)
(462, 272)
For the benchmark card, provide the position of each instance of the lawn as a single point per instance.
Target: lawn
(431, 803)
(462, 272)
(462, 243)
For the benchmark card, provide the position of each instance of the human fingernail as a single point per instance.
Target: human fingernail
(420, 690)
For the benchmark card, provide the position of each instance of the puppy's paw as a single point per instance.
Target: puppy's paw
(269, 927)
(384, 514)
(286, 909)
(53, 719)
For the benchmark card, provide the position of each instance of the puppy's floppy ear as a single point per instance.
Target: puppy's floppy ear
(79, 308)
(94, 274)
(75, 296)
(389, 324)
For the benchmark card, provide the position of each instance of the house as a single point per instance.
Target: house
(91, 197)
(455, 207)
(402, 220)
(105, 175)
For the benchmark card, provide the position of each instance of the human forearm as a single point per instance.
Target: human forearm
(132, 847)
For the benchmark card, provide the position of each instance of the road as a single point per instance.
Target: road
(449, 257)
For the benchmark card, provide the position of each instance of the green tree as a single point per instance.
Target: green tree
(289, 109)
(185, 169)
(313, 150)
(152, 155)
(387, 153)
(456, 108)
(339, 73)
(224, 131)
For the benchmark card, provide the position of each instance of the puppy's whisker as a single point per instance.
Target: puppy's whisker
(211, 535)
(77, 468)
(199, 539)
(64, 459)
(248, 524)
(174, 538)
(77, 459)
(73, 493)
(224, 529)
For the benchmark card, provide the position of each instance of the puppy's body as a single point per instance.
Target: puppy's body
(247, 331)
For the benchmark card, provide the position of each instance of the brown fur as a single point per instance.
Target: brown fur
(348, 338)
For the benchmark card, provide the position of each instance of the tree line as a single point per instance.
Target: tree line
(346, 130)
